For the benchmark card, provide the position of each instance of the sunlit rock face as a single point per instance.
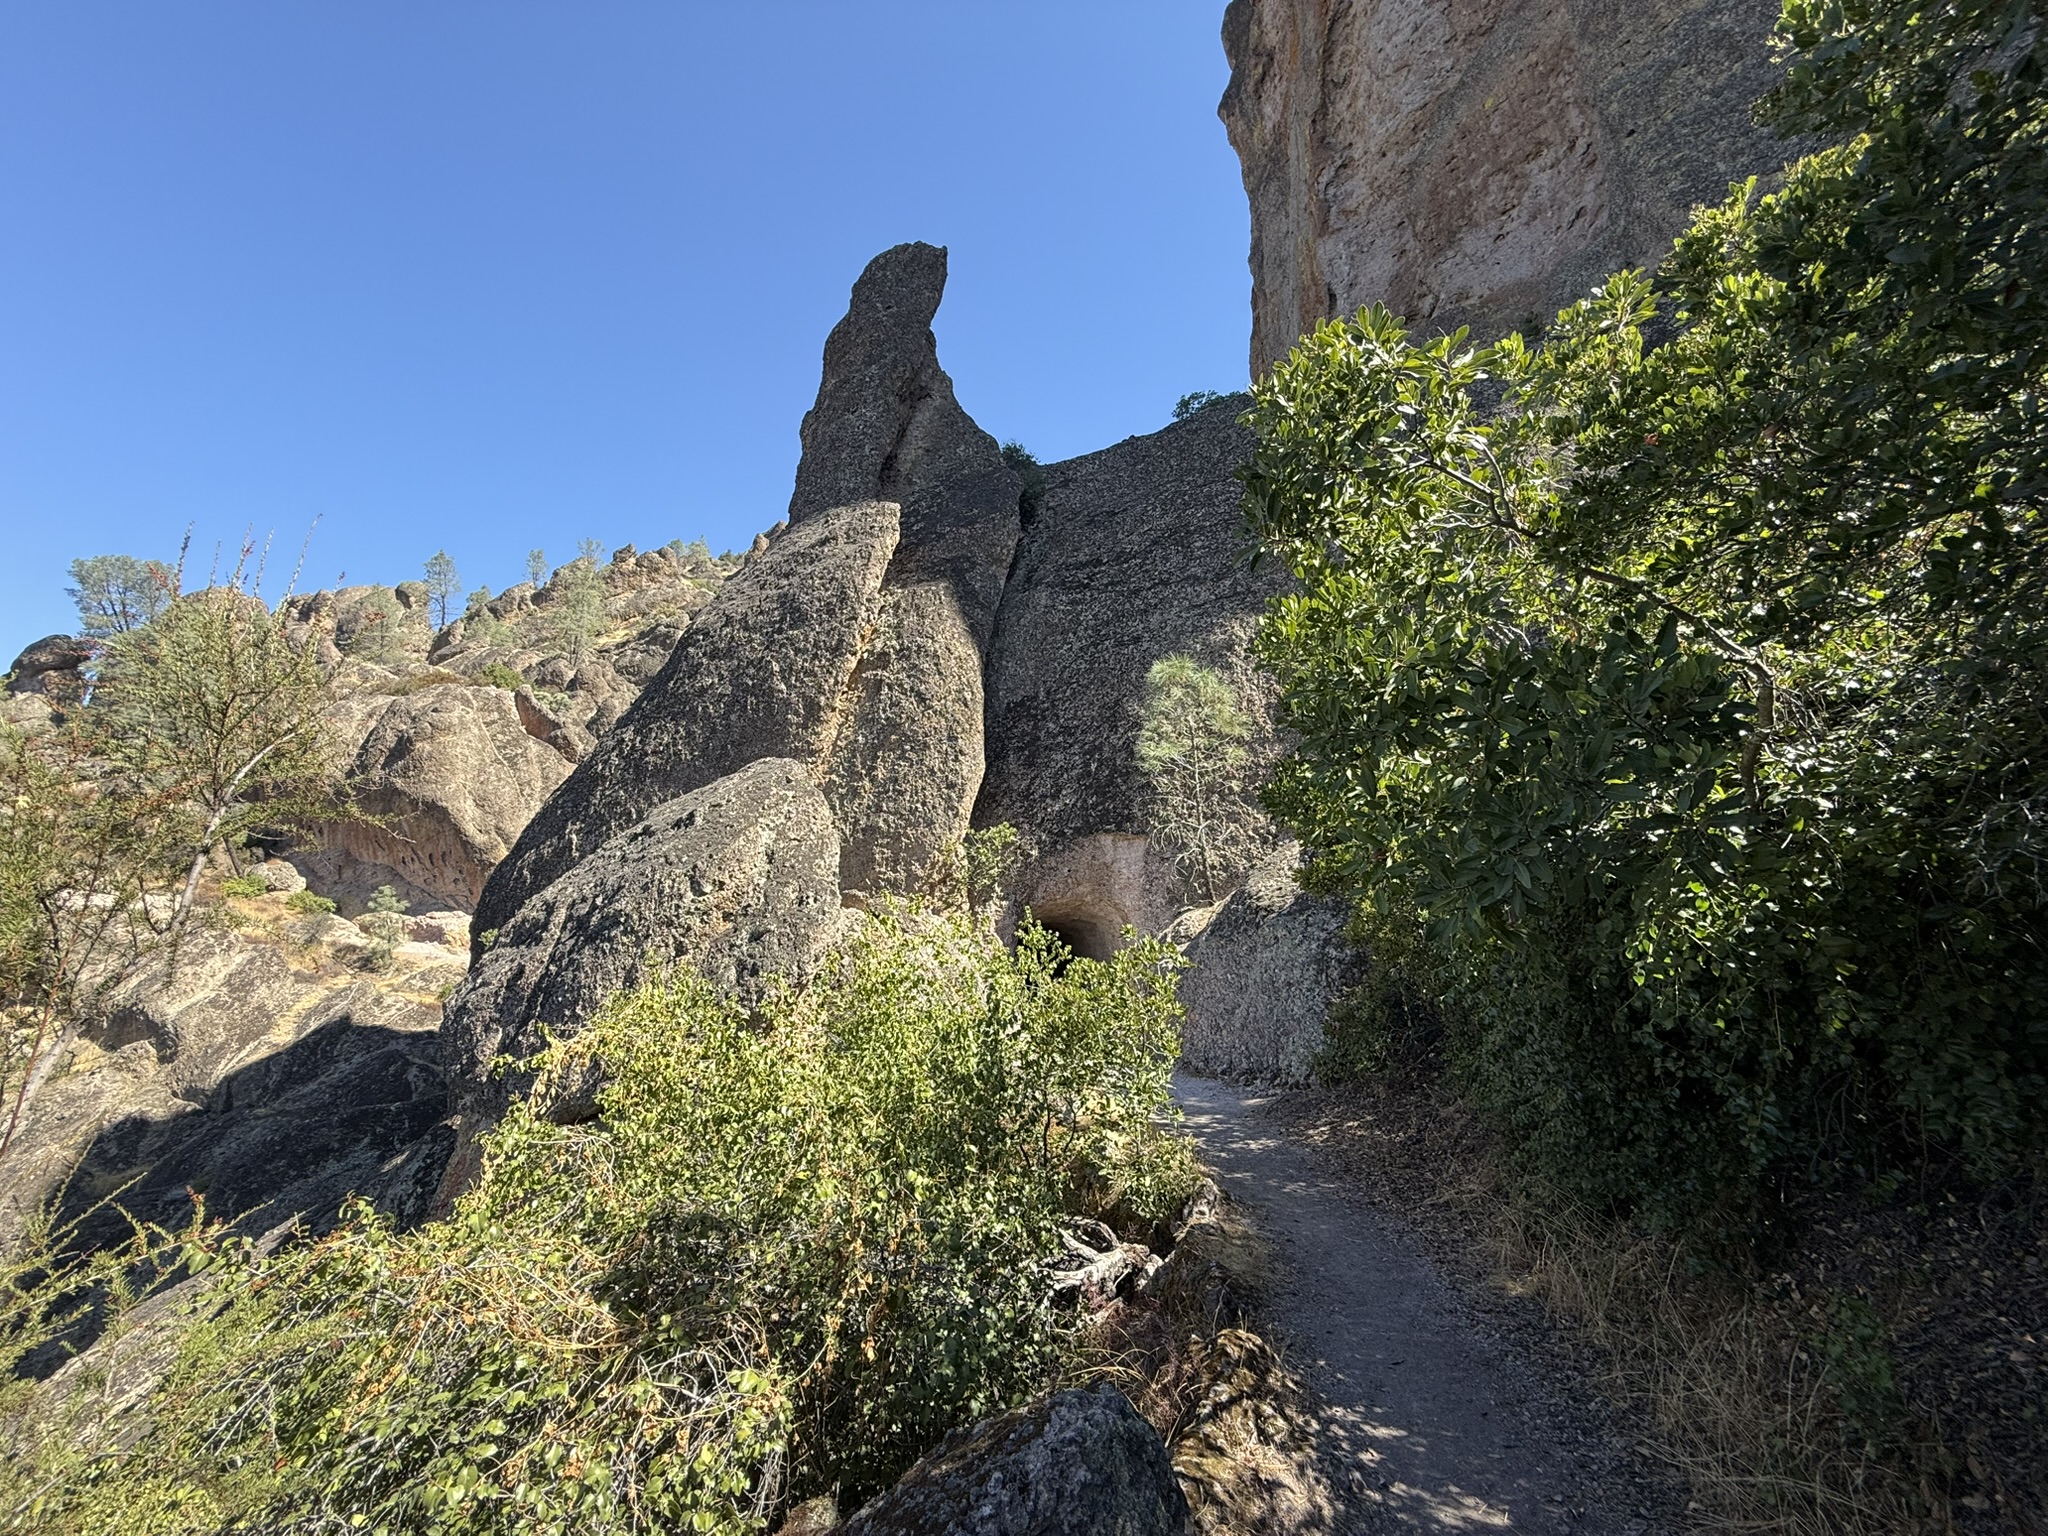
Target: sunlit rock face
(1480, 162)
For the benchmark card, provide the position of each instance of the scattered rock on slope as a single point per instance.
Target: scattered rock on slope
(266, 1070)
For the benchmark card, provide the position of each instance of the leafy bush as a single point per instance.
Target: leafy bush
(793, 1252)
(1193, 401)
(245, 885)
(1030, 473)
(308, 904)
(498, 675)
(1191, 749)
(1694, 702)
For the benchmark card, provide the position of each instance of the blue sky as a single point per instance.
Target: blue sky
(490, 274)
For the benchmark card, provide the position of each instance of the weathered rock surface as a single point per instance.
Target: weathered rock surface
(851, 641)
(453, 776)
(1136, 552)
(270, 1073)
(1081, 1463)
(740, 878)
(1264, 967)
(1479, 162)
(49, 668)
(763, 672)
(886, 426)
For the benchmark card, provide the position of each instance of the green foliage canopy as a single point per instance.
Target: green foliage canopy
(1692, 699)
(117, 593)
(792, 1253)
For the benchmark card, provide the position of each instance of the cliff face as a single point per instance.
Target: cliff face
(1479, 162)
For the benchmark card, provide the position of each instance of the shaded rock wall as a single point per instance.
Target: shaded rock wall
(1479, 162)
(1136, 552)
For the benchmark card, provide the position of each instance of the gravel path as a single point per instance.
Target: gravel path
(1432, 1420)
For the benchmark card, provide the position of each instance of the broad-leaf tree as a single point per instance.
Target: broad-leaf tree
(1685, 677)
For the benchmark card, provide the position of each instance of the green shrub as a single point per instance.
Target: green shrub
(383, 920)
(244, 885)
(1031, 476)
(308, 904)
(498, 675)
(794, 1251)
(1692, 699)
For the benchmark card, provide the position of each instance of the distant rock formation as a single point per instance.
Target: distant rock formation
(49, 669)
(451, 776)
(1479, 162)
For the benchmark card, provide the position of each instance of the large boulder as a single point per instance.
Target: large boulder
(763, 672)
(1265, 966)
(739, 878)
(1480, 164)
(1135, 553)
(451, 775)
(50, 668)
(1080, 1463)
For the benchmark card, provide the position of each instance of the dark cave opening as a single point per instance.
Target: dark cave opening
(1088, 931)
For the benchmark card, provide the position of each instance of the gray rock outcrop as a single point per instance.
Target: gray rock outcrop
(265, 1069)
(1480, 164)
(1080, 1463)
(1265, 965)
(1136, 552)
(50, 669)
(850, 642)
(763, 672)
(739, 878)
(452, 776)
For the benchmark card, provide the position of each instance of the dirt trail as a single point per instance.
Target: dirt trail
(1432, 1421)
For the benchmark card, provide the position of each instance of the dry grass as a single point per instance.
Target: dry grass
(1744, 1407)
(1739, 1386)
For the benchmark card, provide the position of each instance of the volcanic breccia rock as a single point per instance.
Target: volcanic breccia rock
(1480, 162)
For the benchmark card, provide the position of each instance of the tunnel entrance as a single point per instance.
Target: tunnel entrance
(1090, 932)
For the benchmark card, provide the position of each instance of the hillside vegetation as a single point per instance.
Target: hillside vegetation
(1680, 721)
(792, 1253)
